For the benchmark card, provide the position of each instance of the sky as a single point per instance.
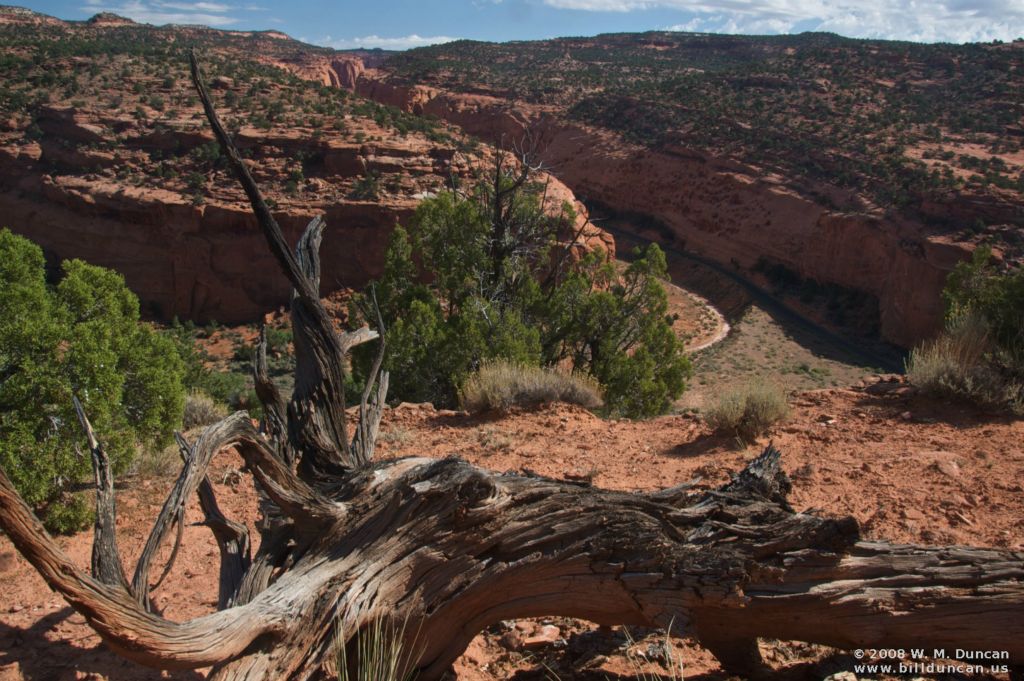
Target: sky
(402, 24)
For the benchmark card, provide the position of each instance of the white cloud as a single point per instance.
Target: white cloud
(921, 20)
(399, 43)
(164, 12)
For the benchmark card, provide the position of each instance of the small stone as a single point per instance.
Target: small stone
(906, 416)
(546, 636)
(511, 640)
(16, 608)
(948, 468)
(912, 514)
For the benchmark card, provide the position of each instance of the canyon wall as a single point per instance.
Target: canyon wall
(717, 208)
(203, 263)
(207, 259)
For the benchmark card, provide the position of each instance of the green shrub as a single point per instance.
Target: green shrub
(959, 363)
(278, 338)
(498, 386)
(748, 412)
(69, 513)
(80, 337)
(979, 288)
(502, 290)
(979, 357)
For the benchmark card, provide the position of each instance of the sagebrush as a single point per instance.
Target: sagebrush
(499, 386)
(960, 363)
(201, 410)
(749, 411)
(979, 356)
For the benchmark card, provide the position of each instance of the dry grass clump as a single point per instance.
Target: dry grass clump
(380, 654)
(498, 386)
(748, 412)
(156, 463)
(959, 364)
(201, 410)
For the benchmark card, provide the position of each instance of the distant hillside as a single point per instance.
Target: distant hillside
(898, 123)
(105, 155)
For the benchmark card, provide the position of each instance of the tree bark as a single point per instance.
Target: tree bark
(445, 549)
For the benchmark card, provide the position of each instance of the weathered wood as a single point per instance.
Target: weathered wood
(275, 417)
(106, 559)
(232, 538)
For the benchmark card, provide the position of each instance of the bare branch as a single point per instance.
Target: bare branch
(106, 559)
(232, 537)
(274, 411)
(118, 618)
(316, 413)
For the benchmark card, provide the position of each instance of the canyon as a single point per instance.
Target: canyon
(725, 210)
(65, 187)
(143, 192)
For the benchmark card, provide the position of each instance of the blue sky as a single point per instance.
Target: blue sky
(400, 24)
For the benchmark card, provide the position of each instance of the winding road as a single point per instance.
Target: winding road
(782, 313)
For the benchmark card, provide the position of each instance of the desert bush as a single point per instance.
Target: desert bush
(960, 363)
(749, 411)
(518, 298)
(995, 296)
(498, 386)
(201, 410)
(81, 337)
(157, 462)
(979, 356)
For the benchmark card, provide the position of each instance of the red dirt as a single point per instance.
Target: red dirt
(910, 469)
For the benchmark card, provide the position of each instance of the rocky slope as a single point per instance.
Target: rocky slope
(719, 202)
(108, 159)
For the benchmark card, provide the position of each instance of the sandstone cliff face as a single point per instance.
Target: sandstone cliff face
(194, 262)
(208, 260)
(335, 71)
(717, 208)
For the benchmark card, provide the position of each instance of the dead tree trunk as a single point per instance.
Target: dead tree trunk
(449, 548)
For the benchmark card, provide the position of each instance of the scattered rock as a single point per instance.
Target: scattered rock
(948, 468)
(912, 514)
(511, 640)
(547, 635)
(525, 627)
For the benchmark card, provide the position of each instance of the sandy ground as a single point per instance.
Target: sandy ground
(908, 468)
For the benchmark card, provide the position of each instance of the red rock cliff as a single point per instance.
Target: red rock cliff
(717, 208)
